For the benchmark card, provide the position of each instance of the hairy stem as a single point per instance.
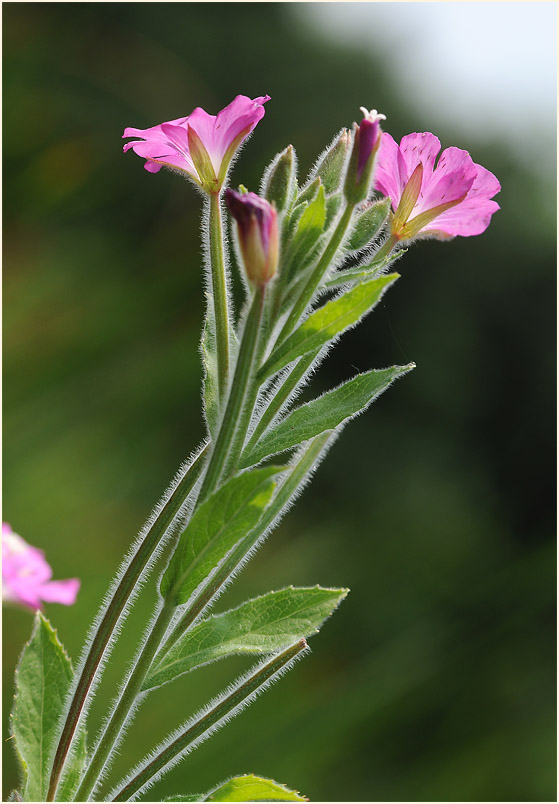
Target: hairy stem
(219, 288)
(234, 414)
(125, 704)
(114, 611)
(208, 722)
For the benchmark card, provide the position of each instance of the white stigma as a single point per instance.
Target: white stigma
(371, 115)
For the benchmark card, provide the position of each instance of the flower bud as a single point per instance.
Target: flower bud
(257, 228)
(331, 163)
(278, 184)
(366, 143)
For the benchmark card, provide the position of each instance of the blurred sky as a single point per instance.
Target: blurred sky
(499, 58)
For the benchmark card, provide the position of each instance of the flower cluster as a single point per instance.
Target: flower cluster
(450, 198)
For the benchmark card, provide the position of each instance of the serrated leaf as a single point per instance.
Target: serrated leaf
(325, 413)
(253, 788)
(327, 322)
(43, 677)
(216, 526)
(267, 623)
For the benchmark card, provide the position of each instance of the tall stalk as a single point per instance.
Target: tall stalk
(125, 704)
(206, 723)
(114, 611)
(219, 288)
(234, 415)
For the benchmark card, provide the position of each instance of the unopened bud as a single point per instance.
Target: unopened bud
(257, 227)
(366, 143)
(369, 224)
(331, 163)
(278, 184)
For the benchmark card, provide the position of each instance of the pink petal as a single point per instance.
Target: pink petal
(64, 592)
(485, 185)
(391, 174)
(473, 215)
(152, 167)
(416, 148)
(453, 177)
(219, 133)
(155, 132)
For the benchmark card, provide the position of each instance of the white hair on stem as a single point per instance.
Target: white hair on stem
(202, 713)
(179, 518)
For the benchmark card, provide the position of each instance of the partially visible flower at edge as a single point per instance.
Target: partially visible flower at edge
(26, 575)
(450, 199)
(201, 144)
(257, 227)
(367, 139)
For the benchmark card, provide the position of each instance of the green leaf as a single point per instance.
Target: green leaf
(368, 224)
(43, 677)
(246, 788)
(302, 248)
(216, 526)
(312, 222)
(327, 322)
(267, 623)
(325, 413)
(253, 788)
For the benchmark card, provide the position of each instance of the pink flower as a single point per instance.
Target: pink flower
(26, 575)
(202, 145)
(450, 199)
(257, 226)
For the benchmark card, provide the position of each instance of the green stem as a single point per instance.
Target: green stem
(219, 288)
(226, 708)
(234, 416)
(281, 396)
(125, 704)
(114, 611)
(316, 276)
(289, 487)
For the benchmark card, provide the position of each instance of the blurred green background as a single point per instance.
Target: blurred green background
(436, 678)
